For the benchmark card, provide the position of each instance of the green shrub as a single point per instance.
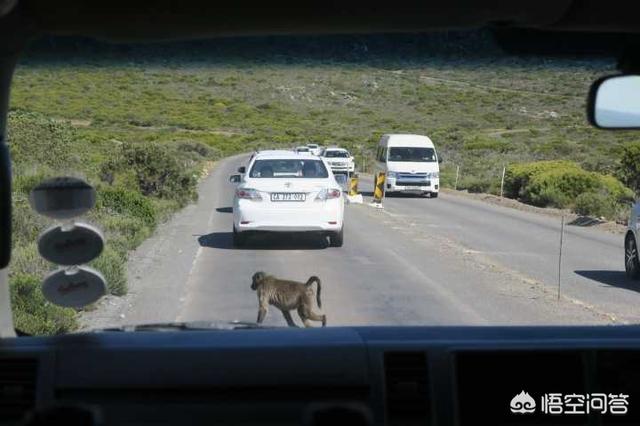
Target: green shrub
(158, 171)
(26, 223)
(447, 176)
(629, 169)
(474, 184)
(37, 140)
(25, 182)
(31, 311)
(25, 259)
(616, 189)
(596, 204)
(200, 149)
(517, 176)
(550, 197)
(478, 143)
(566, 183)
(114, 201)
(555, 147)
(111, 265)
(133, 230)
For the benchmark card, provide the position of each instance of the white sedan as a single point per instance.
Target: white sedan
(288, 192)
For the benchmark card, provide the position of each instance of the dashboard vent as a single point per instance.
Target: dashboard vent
(406, 387)
(17, 387)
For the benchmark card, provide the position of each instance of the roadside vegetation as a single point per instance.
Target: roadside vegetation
(141, 122)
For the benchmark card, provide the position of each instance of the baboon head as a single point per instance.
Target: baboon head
(257, 279)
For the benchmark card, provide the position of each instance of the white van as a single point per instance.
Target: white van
(410, 163)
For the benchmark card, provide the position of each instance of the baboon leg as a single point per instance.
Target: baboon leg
(287, 317)
(308, 314)
(317, 317)
(303, 316)
(262, 312)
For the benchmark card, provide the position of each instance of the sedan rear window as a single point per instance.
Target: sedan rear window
(288, 168)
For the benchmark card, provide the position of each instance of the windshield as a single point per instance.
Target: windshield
(165, 134)
(420, 155)
(288, 169)
(336, 154)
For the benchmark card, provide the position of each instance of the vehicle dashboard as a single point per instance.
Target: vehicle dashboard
(391, 375)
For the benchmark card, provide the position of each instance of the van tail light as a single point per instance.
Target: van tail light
(248, 194)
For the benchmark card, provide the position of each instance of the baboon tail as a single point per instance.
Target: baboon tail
(317, 280)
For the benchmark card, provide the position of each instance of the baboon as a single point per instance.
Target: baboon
(287, 295)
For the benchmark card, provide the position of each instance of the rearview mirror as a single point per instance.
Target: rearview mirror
(235, 178)
(614, 102)
(242, 170)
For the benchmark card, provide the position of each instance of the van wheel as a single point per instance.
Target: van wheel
(336, 239)
(631, 263)
(434, 195)
(239, 240)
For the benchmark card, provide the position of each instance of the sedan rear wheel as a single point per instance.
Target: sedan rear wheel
(337, 238)
(239, 239)
(631, 263)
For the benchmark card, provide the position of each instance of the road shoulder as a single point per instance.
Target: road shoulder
(150, 276)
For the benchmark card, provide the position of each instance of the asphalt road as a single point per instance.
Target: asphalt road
(419, 261)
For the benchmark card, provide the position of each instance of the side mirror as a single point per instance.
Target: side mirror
(439, 159)
(614, 102)
(235, 178)
(242, 170)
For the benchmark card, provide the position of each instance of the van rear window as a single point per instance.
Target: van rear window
(413, 154)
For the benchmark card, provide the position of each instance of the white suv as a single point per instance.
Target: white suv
(631, 261)
(340, 160)
(284, 191)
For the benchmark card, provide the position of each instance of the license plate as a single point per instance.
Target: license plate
(288, 196)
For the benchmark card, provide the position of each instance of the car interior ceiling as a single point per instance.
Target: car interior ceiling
(354, 375)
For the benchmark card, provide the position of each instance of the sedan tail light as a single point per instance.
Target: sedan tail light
(328, 194)
(248, 194)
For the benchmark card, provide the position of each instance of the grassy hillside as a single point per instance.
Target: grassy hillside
(140, 121)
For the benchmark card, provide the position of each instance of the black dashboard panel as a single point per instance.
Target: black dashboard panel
(392, 375)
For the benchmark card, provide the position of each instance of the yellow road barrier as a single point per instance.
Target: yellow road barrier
(378, 190)
(353, 185)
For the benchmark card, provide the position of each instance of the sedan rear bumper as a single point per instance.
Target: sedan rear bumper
(251, 216)
(263, 227)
